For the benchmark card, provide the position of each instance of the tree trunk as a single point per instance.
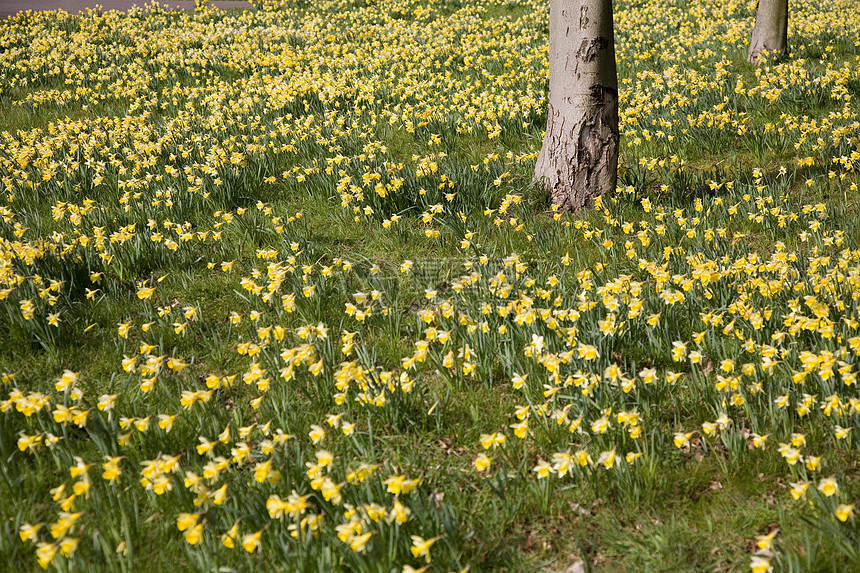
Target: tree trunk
(770, 33)
(579, 157)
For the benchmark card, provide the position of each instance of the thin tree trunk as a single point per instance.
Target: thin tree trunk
(579, 157)
(770, 33)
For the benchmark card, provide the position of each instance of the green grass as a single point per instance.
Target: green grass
(223, 126)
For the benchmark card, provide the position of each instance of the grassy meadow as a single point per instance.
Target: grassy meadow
(277, 294)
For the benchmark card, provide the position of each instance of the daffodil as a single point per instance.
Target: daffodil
(828, 486)
(482, 462)
(399, 513)
(682, 439)
(421, 547)
(45, 553)
(29, 532)
(844, 511)
(358, 543)
(760, 564)
(251, 541)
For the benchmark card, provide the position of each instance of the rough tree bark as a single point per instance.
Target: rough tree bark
(579, 157)
(770, 33)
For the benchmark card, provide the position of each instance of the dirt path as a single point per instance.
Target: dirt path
(12, 7)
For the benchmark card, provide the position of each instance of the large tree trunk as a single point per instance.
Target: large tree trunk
(579, 157)
(770, 33)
